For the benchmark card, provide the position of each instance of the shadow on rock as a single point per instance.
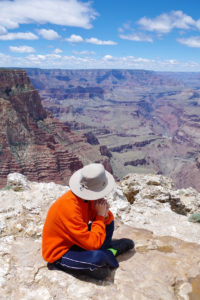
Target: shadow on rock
(83, 277)
(75, 273)
(126, 256)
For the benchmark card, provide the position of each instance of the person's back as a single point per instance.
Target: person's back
(67, 224)
(69, 241)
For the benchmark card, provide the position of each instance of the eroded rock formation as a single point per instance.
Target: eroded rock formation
(32, 141)
(148, 120)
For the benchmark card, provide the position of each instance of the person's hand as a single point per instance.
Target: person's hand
(101, 207)
(107, 206)
(107, 210)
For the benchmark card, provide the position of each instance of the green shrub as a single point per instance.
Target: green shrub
(6, 188)
(194, 217)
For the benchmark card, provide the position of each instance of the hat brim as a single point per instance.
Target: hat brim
(86, 194)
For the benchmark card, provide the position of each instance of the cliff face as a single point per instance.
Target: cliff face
(16, 87)
(32, 141)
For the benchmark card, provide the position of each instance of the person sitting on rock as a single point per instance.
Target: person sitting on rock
(77, 233)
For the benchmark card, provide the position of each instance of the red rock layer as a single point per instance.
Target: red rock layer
(32, 141)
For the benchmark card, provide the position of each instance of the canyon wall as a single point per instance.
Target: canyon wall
(32, 141)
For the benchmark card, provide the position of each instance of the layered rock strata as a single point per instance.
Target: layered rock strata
(33, 142)
(148, 120)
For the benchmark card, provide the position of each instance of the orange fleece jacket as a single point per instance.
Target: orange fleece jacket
(67, 225)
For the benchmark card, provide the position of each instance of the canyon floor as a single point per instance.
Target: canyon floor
(149, 121)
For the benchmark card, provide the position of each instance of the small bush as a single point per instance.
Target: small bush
(6, 188)
(194, 217)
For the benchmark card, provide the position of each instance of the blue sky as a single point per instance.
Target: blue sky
(129, 34)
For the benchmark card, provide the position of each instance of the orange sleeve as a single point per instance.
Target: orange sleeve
(77, 229)
(109, 218)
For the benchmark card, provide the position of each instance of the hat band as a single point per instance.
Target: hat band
(93, 187)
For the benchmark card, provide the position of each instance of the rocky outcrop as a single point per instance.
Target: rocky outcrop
(77, 93)
(104, 151)
(161, 267)
(91, 138)
(32, 141)
(126, 147)
(136, 162)
(151, 202)
(16, 88)
(198, 162)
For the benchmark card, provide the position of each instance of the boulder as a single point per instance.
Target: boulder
(151, 202)
(17, 182)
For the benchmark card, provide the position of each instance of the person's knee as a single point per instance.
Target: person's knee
(98, 257)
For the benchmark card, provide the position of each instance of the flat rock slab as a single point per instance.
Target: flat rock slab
(160, 268)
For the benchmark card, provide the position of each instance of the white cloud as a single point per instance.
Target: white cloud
(22, 49)
(96, 41)
(193, 41)
(60, 12)
(107, 61)
(40, 59)
(2, 30)
(198, 24)
(57, 50)
(120, 30)
(74, 39)
(84, 52)
(108, 57)
(78, 39)
(48, 34)
(166, 22)
(6, 60)
(18, 36)
(136, 37)
(126, 32)
(36, 58)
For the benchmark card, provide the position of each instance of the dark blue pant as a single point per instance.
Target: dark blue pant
(81, 259)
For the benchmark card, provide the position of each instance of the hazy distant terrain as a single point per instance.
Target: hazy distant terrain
(150, 121)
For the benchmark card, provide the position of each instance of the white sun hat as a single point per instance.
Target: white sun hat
(92, 182)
